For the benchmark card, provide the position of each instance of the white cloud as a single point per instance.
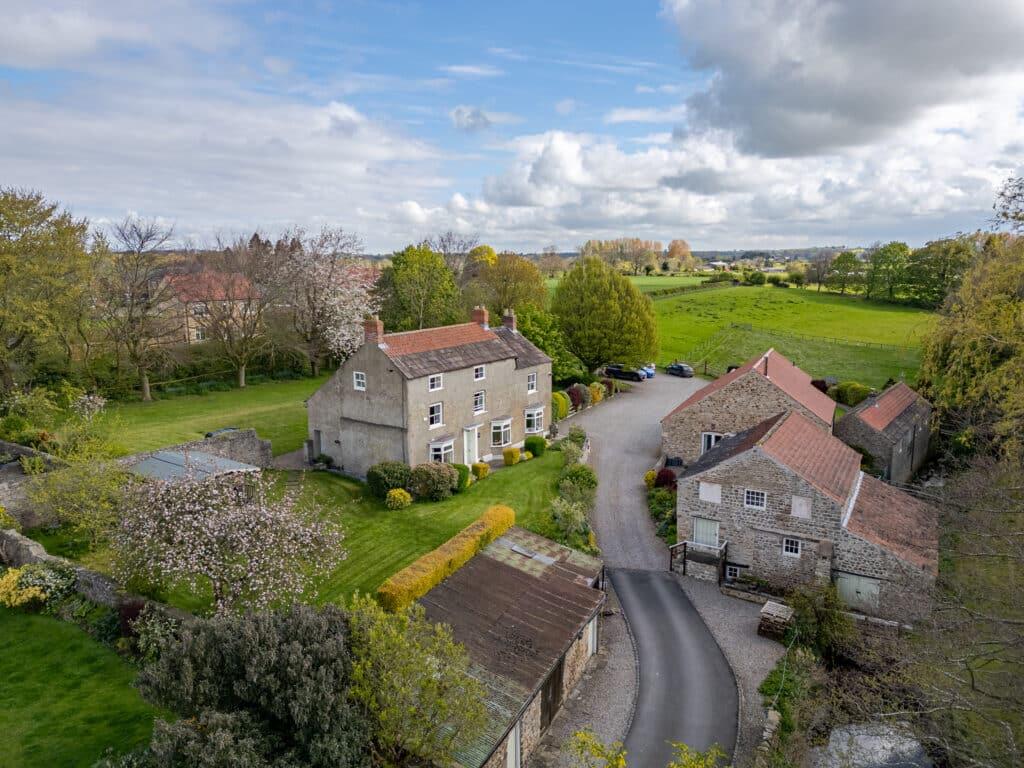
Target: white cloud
(276, 65)
(667, 88)
(646, 114)
(467, 118)
(472, 70)
(566, 106)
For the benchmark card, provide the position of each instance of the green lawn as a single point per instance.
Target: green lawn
(64, 697)
(276, 409)
(648, 283)
(696, 327)
(379, 541)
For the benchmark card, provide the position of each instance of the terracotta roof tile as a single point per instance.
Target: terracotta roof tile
(780, 372)
(209, 286)
(430, 339)
(879, 412)
(821, 459)
(897, 522)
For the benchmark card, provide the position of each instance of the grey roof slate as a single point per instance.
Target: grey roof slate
(731, 445)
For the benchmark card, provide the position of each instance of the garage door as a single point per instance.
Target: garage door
(859, 592)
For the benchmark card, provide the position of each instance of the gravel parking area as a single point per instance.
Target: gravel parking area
(604, 699)
(733, 622)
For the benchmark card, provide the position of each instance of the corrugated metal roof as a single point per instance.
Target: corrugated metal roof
(179, 465)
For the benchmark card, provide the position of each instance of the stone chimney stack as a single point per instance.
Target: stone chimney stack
(509, 319)
(373, 328)
(480, 316)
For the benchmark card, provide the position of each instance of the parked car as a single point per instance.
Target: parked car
(679, 369)
(618, 371)
(649, 369)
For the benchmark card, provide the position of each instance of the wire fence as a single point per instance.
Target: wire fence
(828, 339)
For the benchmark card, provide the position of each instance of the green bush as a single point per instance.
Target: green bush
(511, 456)
(433, 481)
(464, 475)
(774, 279)
(661, 502)
(386, 475)
(535, 445)
(577, 435)
(584, 495)
(849, 393)
(7, 521)
(820, 621)
(579, 474)
(571, 453)
(398, 498)
(481, 469)
(582, 392)
(756, 278)
(560, 405)
(12, 426)
(569, 516)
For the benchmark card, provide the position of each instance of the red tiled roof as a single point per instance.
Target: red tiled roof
(429, 339)
(821, 459)
(209, 286)
(879, 413)
(780, 372)
(897, 522)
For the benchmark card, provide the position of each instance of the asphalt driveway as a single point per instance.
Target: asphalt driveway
(687, 690)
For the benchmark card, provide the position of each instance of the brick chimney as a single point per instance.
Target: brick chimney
(480, 316)
(509, 319)
(373, 328)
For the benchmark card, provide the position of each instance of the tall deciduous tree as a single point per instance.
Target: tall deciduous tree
(454, 249)
(679, 250)
(418, 291)
(845, 272)
(246, 281)
(550, 263)
(328, 293)
(543, 330)
(818, 268)
(46, 269)
(413, 681)
(511, 282)
(603, 316)
(937, 268)
(135, 297)
(228, 532)
(1009, 205)
(887, 271)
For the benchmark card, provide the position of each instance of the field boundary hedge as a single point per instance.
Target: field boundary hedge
(429, 570)
(830, 339)
(664, 293)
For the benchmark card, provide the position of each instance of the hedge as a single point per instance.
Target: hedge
(481, 469)
(535, 445)
(418, 578)
(511, 456)
(559, 405)
(464, 477)
(849, 393)
(386, 475)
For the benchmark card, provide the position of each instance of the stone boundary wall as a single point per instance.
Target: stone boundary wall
(17, 550)
(769, 739)
(12, 483)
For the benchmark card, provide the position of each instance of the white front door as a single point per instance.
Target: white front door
(469, 441)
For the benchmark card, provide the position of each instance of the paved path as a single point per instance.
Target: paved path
(687, 690)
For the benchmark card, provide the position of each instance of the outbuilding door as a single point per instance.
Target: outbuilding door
(551, 695)
(859, 592)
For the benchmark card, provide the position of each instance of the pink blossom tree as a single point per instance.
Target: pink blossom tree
(253, 546)
(331, 292)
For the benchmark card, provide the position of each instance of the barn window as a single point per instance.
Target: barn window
(755, 499)
(791, 547)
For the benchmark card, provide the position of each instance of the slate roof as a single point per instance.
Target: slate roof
(796, 442)
(179, 465)
(454, 347)
(516, 606)
(884, 411)
(779, 371)
(897, 522)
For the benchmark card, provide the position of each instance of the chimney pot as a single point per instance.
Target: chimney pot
(509, 319)
(480, 316)
(373, 330)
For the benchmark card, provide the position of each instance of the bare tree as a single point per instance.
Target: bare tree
(1009, 205)
(454, 248)
(550, 263)
(244, 283)
(134, 296)
(819, 267)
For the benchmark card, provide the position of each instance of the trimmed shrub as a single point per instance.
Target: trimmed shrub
(386, 475)
(525, 456)
(849, 393)
(398, 498)
(584, 392)
(464, 477)
(649, 476)
(511, 456)
(579, 474)
(418, 578)
(481, 469)
(665, 478)
(756, 278)
(535, 445)
(433, 481)
(596, 393)
(774, 279)
(574, 397)
(560, 405)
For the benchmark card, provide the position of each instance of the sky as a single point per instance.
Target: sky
(730, 123)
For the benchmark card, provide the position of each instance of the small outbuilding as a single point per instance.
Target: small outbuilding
(893, 429)
(175, 466)
(527, 611)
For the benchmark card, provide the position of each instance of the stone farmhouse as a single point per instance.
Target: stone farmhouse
(527, 611)
(192, 293)
(785, 502)
(893, 429)
(765, 386)
(457, 393)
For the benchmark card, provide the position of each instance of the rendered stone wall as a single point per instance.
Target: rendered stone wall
(743, 403)
(242, 445)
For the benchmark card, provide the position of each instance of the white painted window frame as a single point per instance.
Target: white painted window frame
(479, 373)
(359, 381)
(534, 414)
(440, 412)
(718, 531)
(531, 383)
(504, 425)
(715, 437)
(446, 447)
(786, 541)
(732, 572)
(746, 499)
(482, 394)
(430, 382)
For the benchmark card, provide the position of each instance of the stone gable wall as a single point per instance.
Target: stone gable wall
(743, 403)
(897, 460)
(856, 434)
(903, 587)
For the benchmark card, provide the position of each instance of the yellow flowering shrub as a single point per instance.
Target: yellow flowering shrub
(7, 521)
(14, 596)
(398, 498)
(481, 470)
(511, 456)
(419, 577)
(649, 476)
(596, 393)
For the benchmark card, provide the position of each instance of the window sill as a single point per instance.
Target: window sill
(435, 426)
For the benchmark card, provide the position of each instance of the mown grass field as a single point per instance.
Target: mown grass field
(378, 541)
(647, 283)
(65, 698)
(697, 327)
(276, 409)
